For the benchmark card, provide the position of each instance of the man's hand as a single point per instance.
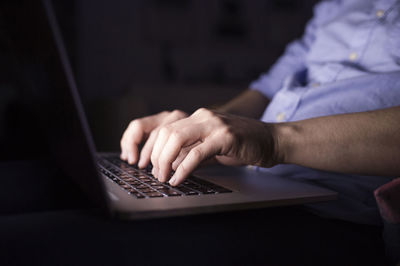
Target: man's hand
(232, 140)
(143, 129)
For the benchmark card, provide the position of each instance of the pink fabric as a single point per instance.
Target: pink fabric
(388, 199)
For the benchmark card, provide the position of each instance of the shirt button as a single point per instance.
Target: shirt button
(353, 56)
(280, 117)
(380, 13)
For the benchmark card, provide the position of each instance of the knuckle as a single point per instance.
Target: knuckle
(202, 111)
(218, 121)
(176, 135)
(153, 134)
(225, 130)
(229, 137)
(164, 131)
(177, 113)
(136, 124)
(163, 113)
(197, 154)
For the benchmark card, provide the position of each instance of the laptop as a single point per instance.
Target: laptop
(118, 188)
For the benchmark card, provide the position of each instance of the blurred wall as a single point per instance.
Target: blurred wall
(127, 43)
(139, 57)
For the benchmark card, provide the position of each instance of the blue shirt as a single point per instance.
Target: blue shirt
(347, 61)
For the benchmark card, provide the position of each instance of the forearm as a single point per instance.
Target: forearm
(360, 143)
(250, 103)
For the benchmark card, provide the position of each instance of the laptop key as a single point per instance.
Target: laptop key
(141, 186)
(154, 194)
(192, 185)
(132, 190)
(141, 176)
(137, 195)
(222, 190)
(200, 188)
(119, 182)
(169, 192)
(219, 189)
(134, 183)
(113, 178)
(147, 190)
(128, 179)
(186, 191)
(126, 186)
(131, 172)
(205, 190)
(174, 194)
(210, 185)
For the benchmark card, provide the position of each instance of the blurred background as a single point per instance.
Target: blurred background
(139, 57)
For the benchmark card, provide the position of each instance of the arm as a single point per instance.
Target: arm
(250, 103)
(362, 143)
(359, 143)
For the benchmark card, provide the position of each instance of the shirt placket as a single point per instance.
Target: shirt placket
(358, 43)
(362, 35)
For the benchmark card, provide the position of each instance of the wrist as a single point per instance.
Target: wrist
(285, 137)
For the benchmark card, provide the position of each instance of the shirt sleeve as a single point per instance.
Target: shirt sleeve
(291, 62)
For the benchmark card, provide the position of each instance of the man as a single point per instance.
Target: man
(347, 61)
(265, 237)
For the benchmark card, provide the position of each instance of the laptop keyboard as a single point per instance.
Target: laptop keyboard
(140, 183)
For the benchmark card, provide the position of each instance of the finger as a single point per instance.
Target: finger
(163, 119)
(183, 133)
(130, 140)
(124, 154)
(162, 138)
(136, 132)
(182, 155)
(198, 154)
(176, 141)
(147, 148)
(167, 147)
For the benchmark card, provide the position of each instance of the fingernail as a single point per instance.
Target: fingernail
(130, 159)
(172, 181)
(160, 175)
(140, 163)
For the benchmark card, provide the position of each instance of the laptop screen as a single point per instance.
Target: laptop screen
(36, 44)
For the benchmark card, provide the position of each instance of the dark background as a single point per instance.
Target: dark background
(139, 57)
